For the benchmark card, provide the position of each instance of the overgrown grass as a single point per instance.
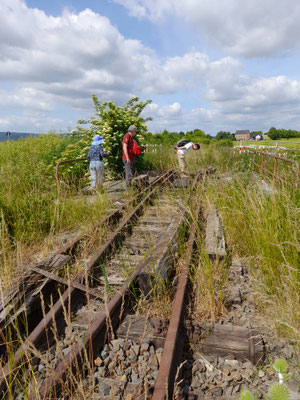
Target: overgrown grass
(221, 157)
(31, 215)
(27, 185)
(264, 227)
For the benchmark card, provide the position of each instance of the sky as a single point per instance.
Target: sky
(206, 64)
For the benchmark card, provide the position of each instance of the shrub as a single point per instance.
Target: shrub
(111, 122)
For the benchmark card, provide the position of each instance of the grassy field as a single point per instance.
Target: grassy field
(261, 226)
(293, 143)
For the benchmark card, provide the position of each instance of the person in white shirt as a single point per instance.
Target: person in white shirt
(181, 152)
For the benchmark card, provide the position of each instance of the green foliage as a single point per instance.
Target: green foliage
(198, 136)
(225, 135)
(278, 391)
(203, 141)
(224, 143)
(171, 138)
(111, 122)
(166, 138)
(275, 134)
(272, 242)
(246, 395)
(280, 366)
(27, 184)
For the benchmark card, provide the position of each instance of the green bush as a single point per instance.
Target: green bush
(111, 122)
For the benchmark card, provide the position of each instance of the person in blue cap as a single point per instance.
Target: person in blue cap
(96, 154)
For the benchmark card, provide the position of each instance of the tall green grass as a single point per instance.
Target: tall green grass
(27, 185)
(30, 211)
(264, 227)
(261, 225)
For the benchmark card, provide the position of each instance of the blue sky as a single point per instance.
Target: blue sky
(207, 64)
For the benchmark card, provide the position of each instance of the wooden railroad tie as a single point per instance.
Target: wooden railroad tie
(213, 340)
(91, 291)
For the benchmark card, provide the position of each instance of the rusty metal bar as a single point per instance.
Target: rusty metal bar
(86, 289)
(65, 162)
(98, 327)
(274, 170)
(170, 361)
(277, 157)
(274, 176)
(114, 214)
(40, 331)
(297, 175)
(253, 161)
(262, 163)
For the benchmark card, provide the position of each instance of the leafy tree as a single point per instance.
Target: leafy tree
(273, 134)
(111, 122)
(199, 133)
(225, 136)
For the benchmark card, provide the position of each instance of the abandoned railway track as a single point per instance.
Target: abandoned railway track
(18, 307)
(95, 343)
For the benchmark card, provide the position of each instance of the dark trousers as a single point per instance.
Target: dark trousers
(129, 171)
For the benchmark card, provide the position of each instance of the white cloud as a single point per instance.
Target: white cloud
(239, 103)
(176, 119)
(251, 29)
(62, 60)
(36, 123)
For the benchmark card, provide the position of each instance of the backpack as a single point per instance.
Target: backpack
(182, 142)
(136, 148)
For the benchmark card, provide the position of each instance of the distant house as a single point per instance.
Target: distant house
(245, 135)
(242, 135)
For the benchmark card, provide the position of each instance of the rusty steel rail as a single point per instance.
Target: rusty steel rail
(114, 215)
(69, 248)
(172, 352)
(95, 336)
(65, 162)
(72, 295)
(273, 174)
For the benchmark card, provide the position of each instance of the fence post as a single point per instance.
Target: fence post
(274, 170)
(262, 163)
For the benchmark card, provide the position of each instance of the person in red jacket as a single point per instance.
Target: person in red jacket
(128, 155)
